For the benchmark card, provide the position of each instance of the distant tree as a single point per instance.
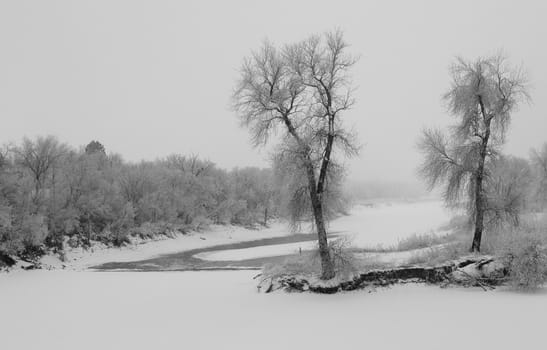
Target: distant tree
(508, 190)
(39, 157)
(82, 195)
(95, 147)
(191, 165)
(266, 194)
(482, 98)
(539, 161)
(252, 195)
(136, 181)
(304, 89)
(6, 197)
(3, 159)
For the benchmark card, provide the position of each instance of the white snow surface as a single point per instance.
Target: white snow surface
(222, 310)
(366, 226)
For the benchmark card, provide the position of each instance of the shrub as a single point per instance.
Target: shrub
(309, 263)
(525, 248)
(440, 254)
(6, 260)
(303, 264)
(418, 241)
(75, 241)
(34, 231)
(109, 236)
(26, 240)
(147, 230)
(341, 253)
(528, 264)
(10, 241)
(32, 252)
(120, 239)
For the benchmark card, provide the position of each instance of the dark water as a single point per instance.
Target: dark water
(185, 261)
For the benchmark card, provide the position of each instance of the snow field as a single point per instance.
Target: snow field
(222, 310)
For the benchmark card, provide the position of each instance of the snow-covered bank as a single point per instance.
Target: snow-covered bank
(222, 310)
(79, 258)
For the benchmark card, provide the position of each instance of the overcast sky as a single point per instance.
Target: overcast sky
(151, 78)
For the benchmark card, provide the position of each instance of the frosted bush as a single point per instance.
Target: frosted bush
(528, 264)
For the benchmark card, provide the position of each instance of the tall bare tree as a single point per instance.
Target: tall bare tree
(302, 89)
(482, 98)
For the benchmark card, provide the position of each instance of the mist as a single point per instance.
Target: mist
(151, 79)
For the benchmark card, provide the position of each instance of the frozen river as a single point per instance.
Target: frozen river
(367, 226)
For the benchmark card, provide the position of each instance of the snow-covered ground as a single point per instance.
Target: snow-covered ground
(222, 310)
(216, 235)
(367, 226)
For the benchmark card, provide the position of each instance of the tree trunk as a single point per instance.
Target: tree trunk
(479, 214)
(327, 265)
(88, 230)
(479, 195)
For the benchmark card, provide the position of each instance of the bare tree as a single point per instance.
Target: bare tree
(39, 157)
(303, 89)
(482, 98)
(192, 164)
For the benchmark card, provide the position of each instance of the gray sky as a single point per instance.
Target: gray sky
(150, 78)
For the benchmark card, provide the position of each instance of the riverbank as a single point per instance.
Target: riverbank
(368, 225)
(81, 259)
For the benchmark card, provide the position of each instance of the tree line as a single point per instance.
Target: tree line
(52, 194)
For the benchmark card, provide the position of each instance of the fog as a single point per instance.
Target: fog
(148, 79)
